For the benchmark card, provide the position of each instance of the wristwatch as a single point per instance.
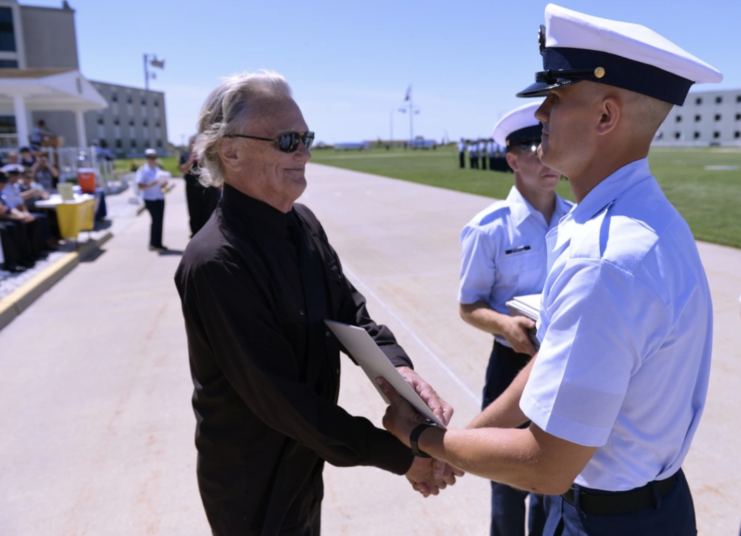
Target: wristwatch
(414, 437)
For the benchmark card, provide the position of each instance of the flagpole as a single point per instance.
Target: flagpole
(411, 118)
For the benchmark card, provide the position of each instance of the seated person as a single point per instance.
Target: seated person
(30, 190)
(14, 235)
(27, 157)
(37, 224)
(44, 173)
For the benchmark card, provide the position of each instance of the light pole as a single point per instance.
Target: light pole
(150, 59)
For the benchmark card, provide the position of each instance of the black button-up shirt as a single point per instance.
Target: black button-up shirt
(266, 370)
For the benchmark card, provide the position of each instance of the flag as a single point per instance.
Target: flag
(409, 94)
(160, 64)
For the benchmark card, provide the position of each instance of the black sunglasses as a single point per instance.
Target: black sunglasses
(286, 143)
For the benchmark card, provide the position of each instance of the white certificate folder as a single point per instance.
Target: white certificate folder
(374, 363)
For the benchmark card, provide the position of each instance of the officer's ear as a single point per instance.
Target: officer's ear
(610, 113)
(512, 161)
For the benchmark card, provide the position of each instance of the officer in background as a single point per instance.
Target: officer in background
(492, 154)
(484, 153)
(462, 153)
(202, 200)
(151, 188)
(618, 388)
(473, 154)
(504, 255)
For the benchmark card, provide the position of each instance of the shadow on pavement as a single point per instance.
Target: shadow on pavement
(170, 252)
(93, 255)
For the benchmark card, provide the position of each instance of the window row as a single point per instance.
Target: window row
(130, 99)
(718, 99)
(117, 121)
(132, 144)
(698, 118)
(716, 135)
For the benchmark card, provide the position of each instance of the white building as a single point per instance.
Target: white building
(40, 79)
(707, 118)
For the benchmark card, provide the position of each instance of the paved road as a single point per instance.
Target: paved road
(98, 430)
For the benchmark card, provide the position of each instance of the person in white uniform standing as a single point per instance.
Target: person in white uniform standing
(617, 389)
(151, 188)
(504, 255)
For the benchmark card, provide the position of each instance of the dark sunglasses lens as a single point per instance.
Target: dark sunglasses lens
(288, 142)
(309, 139)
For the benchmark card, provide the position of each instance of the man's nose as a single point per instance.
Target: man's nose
(542, 114)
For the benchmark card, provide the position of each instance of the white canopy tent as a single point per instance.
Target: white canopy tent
(37, 90)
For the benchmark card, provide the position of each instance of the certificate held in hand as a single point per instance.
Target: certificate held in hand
(374, 363)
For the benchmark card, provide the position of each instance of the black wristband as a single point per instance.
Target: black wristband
(414, 437)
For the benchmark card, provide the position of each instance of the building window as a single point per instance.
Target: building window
(100, 120)
(738, 117)
(119, 144)
(116, 121)
(159, 143)
(7, 32)
(697, 118)
(717, 117)
(156, 102)
(697, 135)
(698, 100)
(144, 100)
(677, 135)
(114, 97)
(737, 134)
(145, 123)
(678, 119)
(133, 144)
(129, 98)
(8, 64)
(157, 123)
(718, 100)
(131, 122)
(716, 134)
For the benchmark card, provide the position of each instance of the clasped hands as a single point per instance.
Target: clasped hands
(427, 475)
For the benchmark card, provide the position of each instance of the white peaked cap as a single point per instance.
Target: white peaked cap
(566, 28)
(578, 47)
(519, 119)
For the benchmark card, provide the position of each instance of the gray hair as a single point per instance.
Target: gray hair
(224, 112)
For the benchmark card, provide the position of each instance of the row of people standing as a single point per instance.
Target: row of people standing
(483, 154)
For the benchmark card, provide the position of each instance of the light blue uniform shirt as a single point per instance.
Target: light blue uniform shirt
(146, 175)
(504, 252)
(626, 334)
(11, 196)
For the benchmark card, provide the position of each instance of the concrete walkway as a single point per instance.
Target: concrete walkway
(98, 429)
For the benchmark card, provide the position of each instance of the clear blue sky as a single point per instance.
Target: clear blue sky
(350, 62)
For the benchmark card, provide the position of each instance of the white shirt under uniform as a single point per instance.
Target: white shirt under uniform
(626, 334)
(504, 252)
(145, 175)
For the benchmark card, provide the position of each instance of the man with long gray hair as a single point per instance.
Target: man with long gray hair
(256, 284)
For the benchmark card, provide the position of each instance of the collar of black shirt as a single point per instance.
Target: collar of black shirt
(250, 212)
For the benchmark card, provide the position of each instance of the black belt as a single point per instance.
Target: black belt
(508, 354)
(622, 502)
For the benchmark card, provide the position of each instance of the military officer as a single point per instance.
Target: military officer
(462, 153)
(504, 255)
(617, 390)
(473, 154)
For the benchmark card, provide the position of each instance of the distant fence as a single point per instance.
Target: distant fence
(69, 159)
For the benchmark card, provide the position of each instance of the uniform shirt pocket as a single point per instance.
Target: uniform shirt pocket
(523, 271)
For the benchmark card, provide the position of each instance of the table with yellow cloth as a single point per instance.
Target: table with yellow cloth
(72, 216)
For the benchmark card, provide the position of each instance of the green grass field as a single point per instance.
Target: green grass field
(710, 200)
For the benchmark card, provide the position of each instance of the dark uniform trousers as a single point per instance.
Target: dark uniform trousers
(474, 162)
(462, 158)
(156, 209)
(671, 515)
(507, 503)
(483, 162)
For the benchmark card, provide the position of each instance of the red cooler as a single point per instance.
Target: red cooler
(86, 180)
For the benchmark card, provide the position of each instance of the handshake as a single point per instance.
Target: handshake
(426, 475)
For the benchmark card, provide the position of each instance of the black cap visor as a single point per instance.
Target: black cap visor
(541, 89)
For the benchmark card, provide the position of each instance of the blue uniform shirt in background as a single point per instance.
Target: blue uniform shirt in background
(146, 175)
(504, 252)
(626, 334)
